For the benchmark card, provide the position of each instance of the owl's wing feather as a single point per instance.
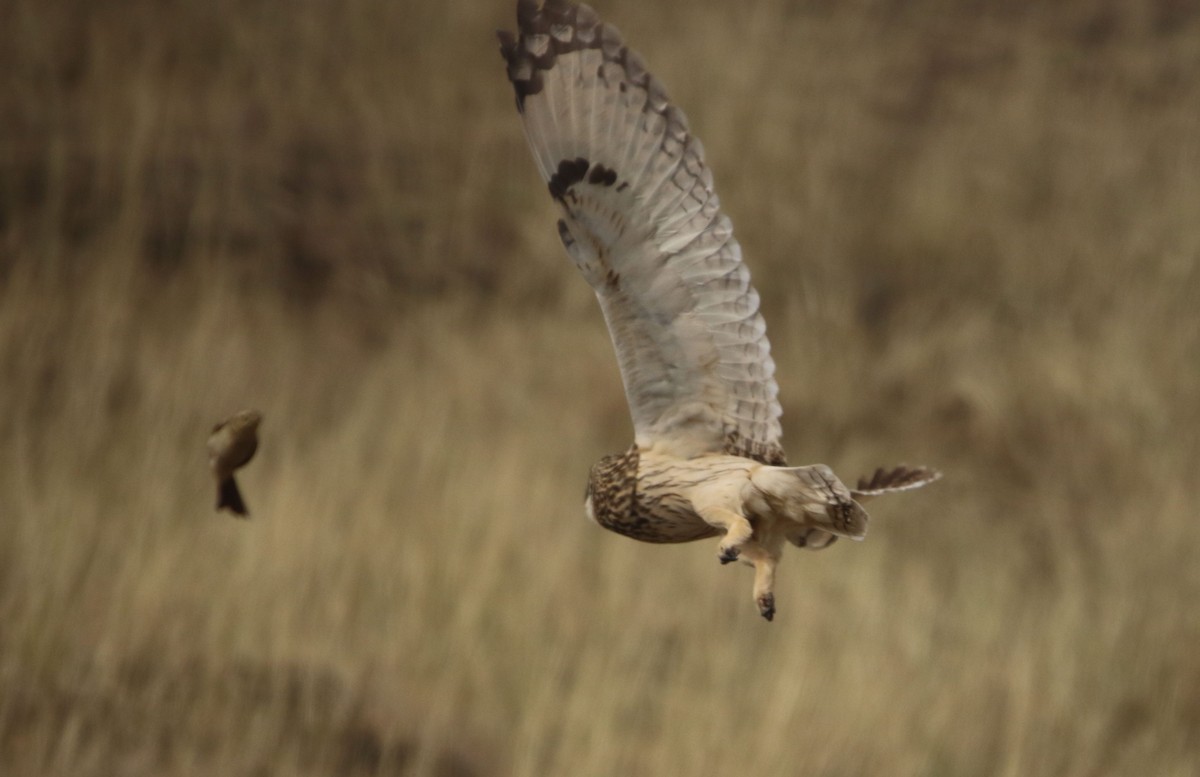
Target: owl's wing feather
(644, 226)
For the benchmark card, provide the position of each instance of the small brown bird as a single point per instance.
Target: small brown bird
(230, 447)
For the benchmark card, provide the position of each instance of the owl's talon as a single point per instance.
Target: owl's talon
(766, 606)
(728, 555)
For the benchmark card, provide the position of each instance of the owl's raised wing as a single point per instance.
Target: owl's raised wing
(643, 224)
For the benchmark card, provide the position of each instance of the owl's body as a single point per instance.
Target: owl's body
(666, 499)
(642, 223)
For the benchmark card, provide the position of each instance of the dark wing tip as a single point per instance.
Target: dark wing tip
(527, 11)
(543, 34)
(508, 44)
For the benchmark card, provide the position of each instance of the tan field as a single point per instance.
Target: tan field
(976, 230)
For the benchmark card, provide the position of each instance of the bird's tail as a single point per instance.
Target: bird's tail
(230, 498)
(812, 497)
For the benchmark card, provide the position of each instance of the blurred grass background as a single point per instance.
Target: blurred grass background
(976, 229)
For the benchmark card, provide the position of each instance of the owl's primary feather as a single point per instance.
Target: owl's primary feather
(641, 221)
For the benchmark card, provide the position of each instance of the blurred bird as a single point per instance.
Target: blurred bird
(641, 221)
(230, 447)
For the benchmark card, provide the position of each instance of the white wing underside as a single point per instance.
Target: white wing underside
(643, 224)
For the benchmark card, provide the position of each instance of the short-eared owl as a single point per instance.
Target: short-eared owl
(642, 223)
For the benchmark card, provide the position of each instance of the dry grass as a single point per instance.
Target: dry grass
(977, 232)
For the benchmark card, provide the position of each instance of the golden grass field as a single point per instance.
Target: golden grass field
(976, 230)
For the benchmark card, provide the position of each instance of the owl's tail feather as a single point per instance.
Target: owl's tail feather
(812, 497)
(894, 480)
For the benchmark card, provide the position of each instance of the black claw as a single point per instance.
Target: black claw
(766, 606)
(728, 555)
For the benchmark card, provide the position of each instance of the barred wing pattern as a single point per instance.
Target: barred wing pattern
(644, 226)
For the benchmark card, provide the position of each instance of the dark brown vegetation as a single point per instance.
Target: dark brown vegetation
(976, 228)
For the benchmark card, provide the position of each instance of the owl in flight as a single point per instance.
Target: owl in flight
(642, 223)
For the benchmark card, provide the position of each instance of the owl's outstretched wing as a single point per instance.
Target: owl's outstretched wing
(644, 226)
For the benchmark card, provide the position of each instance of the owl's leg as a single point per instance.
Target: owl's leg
(765, 558)
(738, 531)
